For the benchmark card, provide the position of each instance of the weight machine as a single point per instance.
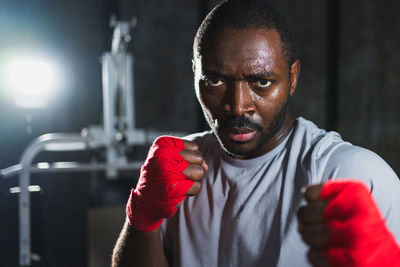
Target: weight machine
(115, 135)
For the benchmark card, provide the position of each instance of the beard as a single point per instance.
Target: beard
(266, 133)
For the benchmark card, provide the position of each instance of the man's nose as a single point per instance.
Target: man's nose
(238, 99)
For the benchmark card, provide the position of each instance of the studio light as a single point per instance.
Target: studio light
(31, 82)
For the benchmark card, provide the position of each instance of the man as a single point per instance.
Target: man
(245, 177)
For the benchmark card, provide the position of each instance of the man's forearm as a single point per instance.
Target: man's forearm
(135, 248)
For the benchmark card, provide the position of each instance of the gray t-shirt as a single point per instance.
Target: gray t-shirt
(245, 214)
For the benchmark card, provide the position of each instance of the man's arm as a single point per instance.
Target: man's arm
(172, 171)
(136, 248)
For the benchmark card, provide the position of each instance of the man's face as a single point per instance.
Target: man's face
(243, 81)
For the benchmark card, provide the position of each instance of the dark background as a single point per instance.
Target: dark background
(349, 83)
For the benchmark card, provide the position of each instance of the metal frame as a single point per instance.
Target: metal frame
(57, 142)
(48, 142)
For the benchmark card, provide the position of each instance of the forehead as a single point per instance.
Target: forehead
(230, 50)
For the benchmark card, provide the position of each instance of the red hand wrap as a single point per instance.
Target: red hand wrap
(161, 186)
(358, 233)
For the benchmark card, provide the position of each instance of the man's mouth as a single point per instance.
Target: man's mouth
(241, 134)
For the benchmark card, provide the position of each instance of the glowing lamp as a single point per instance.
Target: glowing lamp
(31, 82)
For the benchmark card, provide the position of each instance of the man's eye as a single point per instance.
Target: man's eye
(263, 83)
(214, 82)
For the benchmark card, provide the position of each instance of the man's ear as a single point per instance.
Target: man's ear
(193, 66)
(294, 74)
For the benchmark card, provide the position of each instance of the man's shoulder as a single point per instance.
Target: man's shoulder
(315, 141)
(329, 156)
(351, 161)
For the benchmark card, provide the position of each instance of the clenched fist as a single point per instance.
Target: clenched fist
(344, 228)
(173, 170)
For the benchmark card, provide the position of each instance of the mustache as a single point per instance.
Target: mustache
(240, 122)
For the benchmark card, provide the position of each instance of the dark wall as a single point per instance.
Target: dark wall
(369, 76)
(163, 70)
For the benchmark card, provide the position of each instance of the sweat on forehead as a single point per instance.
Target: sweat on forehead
(239, 14)
(255, 50)
(254, 42)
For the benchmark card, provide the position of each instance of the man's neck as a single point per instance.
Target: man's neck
(279, 136)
